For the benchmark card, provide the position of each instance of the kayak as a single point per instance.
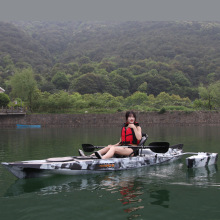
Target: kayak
(74, 165)
(79, 165)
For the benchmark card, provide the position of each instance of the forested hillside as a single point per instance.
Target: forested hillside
(113, 57)
(22, 48)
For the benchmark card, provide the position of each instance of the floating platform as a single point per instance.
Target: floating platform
(28, 126)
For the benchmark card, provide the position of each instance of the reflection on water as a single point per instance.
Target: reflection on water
(129, 191)
(202, 176)
(161, 197)
(202, 172)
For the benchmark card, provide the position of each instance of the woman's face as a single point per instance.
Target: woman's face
(131, 119)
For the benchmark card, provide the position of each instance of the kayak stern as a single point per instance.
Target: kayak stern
(201, 160)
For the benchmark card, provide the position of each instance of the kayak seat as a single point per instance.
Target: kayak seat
(143, 140)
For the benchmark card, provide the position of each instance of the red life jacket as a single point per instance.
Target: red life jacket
(128, 136)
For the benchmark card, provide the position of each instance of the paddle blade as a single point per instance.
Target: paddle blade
(159, 147)
(159, 144)
(88, 147)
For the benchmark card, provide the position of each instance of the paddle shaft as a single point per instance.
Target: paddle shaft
(156, 148)
(141, 147)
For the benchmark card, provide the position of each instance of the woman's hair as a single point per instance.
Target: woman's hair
(130, 113)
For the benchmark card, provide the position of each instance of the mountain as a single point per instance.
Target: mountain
(22, 47)
(175, 55)
(191, 43)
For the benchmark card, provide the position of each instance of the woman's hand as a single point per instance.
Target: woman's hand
(137, 131)
(131, 126)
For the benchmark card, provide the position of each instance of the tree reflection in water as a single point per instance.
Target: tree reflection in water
(161, 197)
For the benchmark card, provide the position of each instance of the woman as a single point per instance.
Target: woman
(130, 135)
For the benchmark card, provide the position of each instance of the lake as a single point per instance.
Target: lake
(168, 191)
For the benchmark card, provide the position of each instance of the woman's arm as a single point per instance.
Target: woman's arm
(137, 131)
(118, 144)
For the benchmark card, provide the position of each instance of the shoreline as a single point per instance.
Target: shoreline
(173, 118)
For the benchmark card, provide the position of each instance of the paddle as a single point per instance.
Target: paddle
(156, 147)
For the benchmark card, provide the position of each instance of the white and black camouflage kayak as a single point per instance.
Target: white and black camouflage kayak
(78, 165)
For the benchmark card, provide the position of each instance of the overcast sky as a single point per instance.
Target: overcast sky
(110, 10)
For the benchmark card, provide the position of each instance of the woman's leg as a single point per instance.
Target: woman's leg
(105, 150)
(117, 150)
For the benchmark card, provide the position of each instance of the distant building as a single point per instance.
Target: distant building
(2, 90)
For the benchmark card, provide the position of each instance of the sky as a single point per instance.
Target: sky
(110, 10)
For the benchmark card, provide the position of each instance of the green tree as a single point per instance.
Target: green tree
(211, 94)
(107, 65)
(143, 87)
(78, 101)
(83, 60)
(47, 87)
(163, 97)
(24, 85)
(61, 81)
(136, 69)
(71, 68)
(211, 77)
(137, 98)
(119, 85)
(156, 84)
(106, 100)
(90, 83)
(4, 99)
(63, 100)
(86, 68)
(6, 61)
(180, 79)
(58, 67)
(22, 65)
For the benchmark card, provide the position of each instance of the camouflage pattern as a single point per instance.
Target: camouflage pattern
(201, 160)
(87, 165)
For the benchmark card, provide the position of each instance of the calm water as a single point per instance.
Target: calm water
(158, 192)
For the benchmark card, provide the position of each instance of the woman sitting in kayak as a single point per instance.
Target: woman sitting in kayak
(130, 135)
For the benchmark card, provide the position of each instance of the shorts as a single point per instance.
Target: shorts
(135, 151)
